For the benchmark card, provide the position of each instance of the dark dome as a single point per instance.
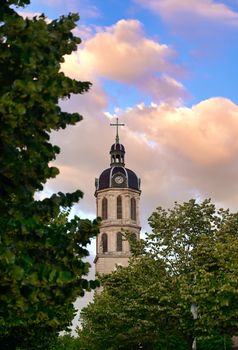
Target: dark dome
(117, 147)
(105, 179)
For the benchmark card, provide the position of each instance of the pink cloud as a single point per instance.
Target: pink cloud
(168, 89)
(192, 153)
(124, 54)
(203, 134)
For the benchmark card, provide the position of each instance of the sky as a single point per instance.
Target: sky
(168, 69)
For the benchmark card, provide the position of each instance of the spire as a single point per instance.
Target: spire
(117, 134)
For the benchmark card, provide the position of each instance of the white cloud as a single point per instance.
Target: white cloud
(210, 10)
(30, 15)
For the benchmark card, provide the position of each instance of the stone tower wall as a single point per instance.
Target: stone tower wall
(106, 262)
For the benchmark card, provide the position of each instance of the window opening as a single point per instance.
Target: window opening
(119, 207)
(119, 242)
(104, 208)
(133, 209)
(104, 243)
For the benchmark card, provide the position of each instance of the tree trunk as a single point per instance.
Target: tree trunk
(190, 342)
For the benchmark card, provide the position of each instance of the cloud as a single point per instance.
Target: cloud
(123, 54)
(207, 25)
(193, 151)
(25, 14)
(129, 55)
(179, 153)
(171, 10)
(209, 128)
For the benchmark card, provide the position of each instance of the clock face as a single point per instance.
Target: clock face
(119, 179)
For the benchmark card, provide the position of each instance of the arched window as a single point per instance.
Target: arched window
(104, 243)
(133, 209)
(119, 242)
(119, 207)
(104, 208)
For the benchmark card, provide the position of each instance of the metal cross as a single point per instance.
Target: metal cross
(117, 124)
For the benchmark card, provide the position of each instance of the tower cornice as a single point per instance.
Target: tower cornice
(122, 226)
(116, 189)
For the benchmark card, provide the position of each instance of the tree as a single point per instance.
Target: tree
(124, 315)
(199, 246)
(41, 267)
(189, 258)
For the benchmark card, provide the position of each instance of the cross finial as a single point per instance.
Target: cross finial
(117, 124)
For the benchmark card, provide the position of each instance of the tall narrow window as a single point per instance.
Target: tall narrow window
(104, 243)
(119, 207)
(119, 242)
(104, 208)
(133, 209)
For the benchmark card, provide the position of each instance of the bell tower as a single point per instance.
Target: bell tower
(117, 200)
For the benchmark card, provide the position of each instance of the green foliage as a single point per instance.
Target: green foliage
(199, 246)
(132, 311)
(214, 343)
(66, 342)
(190, 257)
(41, 252)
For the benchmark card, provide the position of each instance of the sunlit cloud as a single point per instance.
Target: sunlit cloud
(208, 128)
(122, 53)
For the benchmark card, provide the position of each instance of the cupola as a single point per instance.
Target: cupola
(117, 153)
(117, 175)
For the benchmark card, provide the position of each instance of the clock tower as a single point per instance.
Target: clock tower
(117, 200)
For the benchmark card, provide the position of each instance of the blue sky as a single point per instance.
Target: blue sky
(169, 70)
